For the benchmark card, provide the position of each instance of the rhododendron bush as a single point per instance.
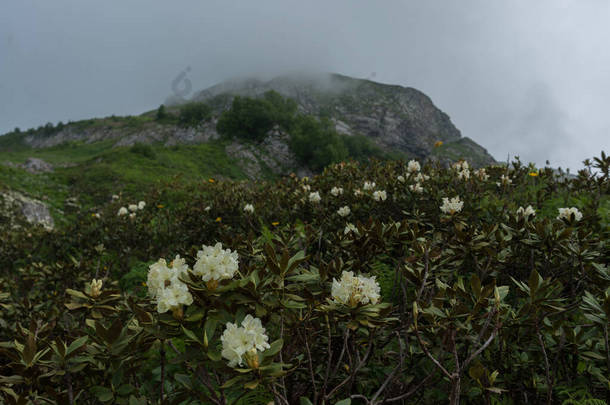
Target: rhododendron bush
(379, 283)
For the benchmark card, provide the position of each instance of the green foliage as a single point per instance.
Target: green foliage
(143, 150)
(161, 113)
(193, 114)
(250, 118)
(481, 305)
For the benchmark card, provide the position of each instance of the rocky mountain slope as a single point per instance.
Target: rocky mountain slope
(396, 118)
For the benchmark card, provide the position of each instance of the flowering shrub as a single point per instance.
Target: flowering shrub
(490, 303)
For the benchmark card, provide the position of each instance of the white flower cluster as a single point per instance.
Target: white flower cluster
(452, 206)
(344, 211)
(314, 197)
(566, 213)
(368, 185)
(241, 341)
(216, 263)
(413, 166)
(351, 290)
(481, 174)
(165, 286)
(336, 191)
(401, 178)
(504, 181)
(526, 212)
(350, 228)
(416, 188)
(131, 208)
(249, 208)
(420, 178)
(380, 195)
(462, 170)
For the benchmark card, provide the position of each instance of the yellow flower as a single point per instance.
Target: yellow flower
(211, 180)
(160, 206)
(218, 219)
(438, 143)
(533, 174)
(143, 284)
(275, 223)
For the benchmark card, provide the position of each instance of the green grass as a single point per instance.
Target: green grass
(93, 172)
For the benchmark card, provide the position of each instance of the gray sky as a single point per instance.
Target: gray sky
(520, 77)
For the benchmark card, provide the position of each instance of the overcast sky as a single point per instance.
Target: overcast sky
(528, 78)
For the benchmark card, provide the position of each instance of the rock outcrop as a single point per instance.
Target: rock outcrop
(14, 205)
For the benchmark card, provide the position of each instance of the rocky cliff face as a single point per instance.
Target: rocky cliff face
(396, 118)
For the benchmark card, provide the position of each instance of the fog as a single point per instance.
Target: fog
(520, 78)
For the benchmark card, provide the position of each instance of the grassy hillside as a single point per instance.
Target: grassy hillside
(94, 172)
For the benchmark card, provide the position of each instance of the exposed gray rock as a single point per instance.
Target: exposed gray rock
(273, 153)
(35, 165)
(34, 211)
(396, 118)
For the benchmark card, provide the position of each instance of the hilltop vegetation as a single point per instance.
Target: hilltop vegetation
(371, 282)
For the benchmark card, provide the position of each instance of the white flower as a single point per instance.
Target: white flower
(306, 188)
(464, 174)
(357, 192)
(420, 178)
(504, 181)
(452, 206)
(350, 228)
(206, 209)
(314, 197)
(380, 195)
(165, 286)
(401, 178)
(133, 207)
(368, 185)
(254, 328)
(461, 165)
(344, 211)
(416, 188)
(97, 215)
(566, 213)
(351, 290)
(132, 215)
(141, 205)
(336, 191)
(239, 340)
(481, 174)
(122, 211)
(249, 208)
(413, 166)
(115, 197)
(526, 212)
(216, 263)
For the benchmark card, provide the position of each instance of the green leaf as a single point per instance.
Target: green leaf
(76, 293)
(304, 401)
(346, 401)
(102, 393)
(191, 335)
(274, 348)
(251, 385)
(77, 344)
